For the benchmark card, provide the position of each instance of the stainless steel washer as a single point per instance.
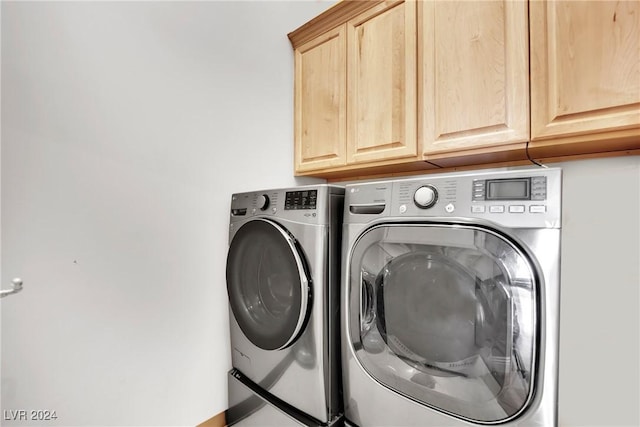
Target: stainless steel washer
(282, 282)
(450, 299)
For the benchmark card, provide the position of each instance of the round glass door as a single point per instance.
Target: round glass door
(446, 315)
(267, 284)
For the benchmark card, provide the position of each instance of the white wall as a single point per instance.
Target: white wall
(126, 127)
(1, 276)
(600, 294)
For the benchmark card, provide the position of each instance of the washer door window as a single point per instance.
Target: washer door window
(267, 284)
(445, 315)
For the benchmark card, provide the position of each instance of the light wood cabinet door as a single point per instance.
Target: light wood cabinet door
(473, 74)
(320, 102)
(381, 82)
(585, 67)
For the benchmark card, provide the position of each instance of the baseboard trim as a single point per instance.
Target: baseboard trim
(219, 420)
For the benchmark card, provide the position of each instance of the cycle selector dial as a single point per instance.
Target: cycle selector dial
(425, 196)
(263, 202)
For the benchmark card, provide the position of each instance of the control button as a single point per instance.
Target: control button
(263, 202)
(496, 209)
(253, 211)
(516, 208)
(403, 209)
(478, 190)
(274, 210)
(477, 208)
(538, 196)
(425, 196)
(450, 208)
(537, 208)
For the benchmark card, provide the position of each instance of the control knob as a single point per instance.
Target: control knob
(263, 202)
(425, 196)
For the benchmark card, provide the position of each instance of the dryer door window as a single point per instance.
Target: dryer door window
(268, 284)
(446, 315)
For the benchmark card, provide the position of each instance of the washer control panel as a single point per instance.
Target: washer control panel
(263, 202)
(301, 199)
(305, 204)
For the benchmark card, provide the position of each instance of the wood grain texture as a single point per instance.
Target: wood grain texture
(381, 83)
(395, 87)
(333, 17)
(473, 74)
(407, 170)
(603, 143)
(478, 156)
(585, 67)
(320, 102)
(218, 420)
(382, 168)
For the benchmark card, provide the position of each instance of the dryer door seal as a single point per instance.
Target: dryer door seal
(447, 315)
(268, 284)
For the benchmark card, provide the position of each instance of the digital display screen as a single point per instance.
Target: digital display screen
(295, 200)
(508, 189)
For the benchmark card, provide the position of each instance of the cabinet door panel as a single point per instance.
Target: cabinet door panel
(320, 97)
(585, 69)
(473, 74)
(381, 99)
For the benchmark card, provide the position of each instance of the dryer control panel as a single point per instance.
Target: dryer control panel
(510, 189)
(523, 197)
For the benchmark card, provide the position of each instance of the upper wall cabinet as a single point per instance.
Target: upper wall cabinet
(386, 86)
(474, 75)
(585, 70)
(381, 83)
(355, 87)
(320, 102)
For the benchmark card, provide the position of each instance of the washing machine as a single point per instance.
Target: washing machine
(451, 299)
(251, 406)
(283, 287)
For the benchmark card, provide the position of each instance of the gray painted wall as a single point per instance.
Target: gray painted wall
(126, 127)
(600, 293)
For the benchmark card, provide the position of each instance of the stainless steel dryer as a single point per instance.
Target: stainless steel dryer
(451, 299)
(283, 287)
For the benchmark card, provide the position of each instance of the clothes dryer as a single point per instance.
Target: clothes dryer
(283, 287)
(451, 298)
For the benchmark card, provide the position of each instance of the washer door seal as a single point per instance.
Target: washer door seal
(268, 284)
